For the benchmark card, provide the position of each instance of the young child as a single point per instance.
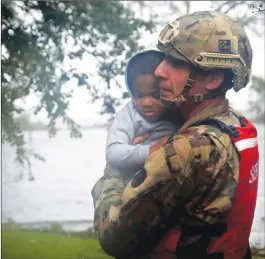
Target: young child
(144, 116)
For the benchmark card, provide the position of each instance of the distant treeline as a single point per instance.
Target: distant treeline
(27, 125)
(52, 227)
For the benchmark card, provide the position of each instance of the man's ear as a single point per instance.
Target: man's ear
(215, 79)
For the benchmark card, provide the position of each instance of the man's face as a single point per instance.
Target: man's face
(147, 97)
(172, 75)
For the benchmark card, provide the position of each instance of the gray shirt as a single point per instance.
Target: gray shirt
(128, 123)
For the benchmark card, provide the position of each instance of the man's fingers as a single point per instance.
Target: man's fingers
(159, 144)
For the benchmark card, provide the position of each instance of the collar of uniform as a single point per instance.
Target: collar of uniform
(205, 110)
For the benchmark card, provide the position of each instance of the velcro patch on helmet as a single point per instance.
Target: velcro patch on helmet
(225, 46)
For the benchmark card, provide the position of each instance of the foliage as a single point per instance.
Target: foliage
(54, 228)
(246, 16)
(176, 8)
(259, 8)
(40, 41)
(26, 125)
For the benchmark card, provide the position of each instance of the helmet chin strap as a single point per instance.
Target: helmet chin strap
(185, 97)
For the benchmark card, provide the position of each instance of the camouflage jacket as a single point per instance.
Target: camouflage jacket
(190, 181)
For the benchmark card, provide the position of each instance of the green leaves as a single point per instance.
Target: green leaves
(36, 36)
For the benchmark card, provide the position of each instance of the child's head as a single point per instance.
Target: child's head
(147, 97)
(143, 85)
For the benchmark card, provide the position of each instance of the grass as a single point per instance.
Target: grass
(34, 245)
(258, 253)
(56, 243)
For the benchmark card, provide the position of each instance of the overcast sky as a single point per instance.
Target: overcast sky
(85, 113)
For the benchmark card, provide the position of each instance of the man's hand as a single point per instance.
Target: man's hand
(140, 139)
(158, 144)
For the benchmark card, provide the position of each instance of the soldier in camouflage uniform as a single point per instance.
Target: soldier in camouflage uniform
(178, 205)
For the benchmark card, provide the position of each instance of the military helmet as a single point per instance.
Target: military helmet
(209, 40)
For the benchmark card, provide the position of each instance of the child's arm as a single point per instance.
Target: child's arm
(120, 152)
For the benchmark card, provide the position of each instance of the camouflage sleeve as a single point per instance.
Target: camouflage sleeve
(216, 174)
(125, 217)
(145, 203)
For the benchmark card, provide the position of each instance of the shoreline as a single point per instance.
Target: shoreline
(85, 226)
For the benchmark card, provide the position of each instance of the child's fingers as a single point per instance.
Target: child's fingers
(140, 139)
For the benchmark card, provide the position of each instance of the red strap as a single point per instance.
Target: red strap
(166, 248)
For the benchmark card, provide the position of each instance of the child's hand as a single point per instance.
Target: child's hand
(158, 144)
(140, 139)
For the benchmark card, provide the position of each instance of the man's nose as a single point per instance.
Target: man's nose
(160, 70)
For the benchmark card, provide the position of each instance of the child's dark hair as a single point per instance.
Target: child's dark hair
(143, 63)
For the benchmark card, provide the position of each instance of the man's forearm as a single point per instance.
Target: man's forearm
(107, 196)
(124, 226)
(124, 217)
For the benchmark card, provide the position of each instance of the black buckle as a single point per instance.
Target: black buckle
(229, 129)
(232, 131)
(198, 98)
